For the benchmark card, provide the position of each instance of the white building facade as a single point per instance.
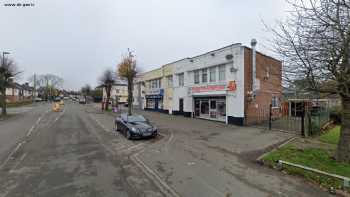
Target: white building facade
(232, 84)
(210, 86)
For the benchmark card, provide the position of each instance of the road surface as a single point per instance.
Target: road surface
(76, 152)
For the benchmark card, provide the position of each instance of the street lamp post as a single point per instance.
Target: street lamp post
(3, 56)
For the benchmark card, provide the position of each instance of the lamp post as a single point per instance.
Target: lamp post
(3, 56)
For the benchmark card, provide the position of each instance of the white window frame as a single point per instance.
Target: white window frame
(222, 72)
(181, 78)
(212, 74)
(196, 77)
(170, 80)
(204, 72)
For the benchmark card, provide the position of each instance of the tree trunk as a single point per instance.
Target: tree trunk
(343, 149)
(130, 95)
(108, 93)
(3, 102)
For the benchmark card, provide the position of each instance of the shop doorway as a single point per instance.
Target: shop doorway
(181, 105)
(213, 108)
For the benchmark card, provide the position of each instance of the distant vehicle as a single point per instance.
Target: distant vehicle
(38, 99)
(82, 100)
(134, 126)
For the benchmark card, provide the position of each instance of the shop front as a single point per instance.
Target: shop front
(154, 100)
(212, 108)
(209, 102)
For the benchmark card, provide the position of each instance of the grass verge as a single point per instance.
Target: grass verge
(18, 104)
(332, 136)
(315, 156)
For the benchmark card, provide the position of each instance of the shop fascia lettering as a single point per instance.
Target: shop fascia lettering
(210, 88)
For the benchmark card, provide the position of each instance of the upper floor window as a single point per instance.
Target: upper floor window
(212, 74)
(170, 80)
(154, 84)
(196, 76)
(181, 79)
(222, 73)
(204, 75)
(275, 101)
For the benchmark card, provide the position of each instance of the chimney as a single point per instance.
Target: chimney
(253, 45)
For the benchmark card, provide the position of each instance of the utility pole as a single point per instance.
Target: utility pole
(34, 91)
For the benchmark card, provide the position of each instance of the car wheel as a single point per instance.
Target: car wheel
(128, 135)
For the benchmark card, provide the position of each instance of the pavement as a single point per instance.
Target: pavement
(76, 152)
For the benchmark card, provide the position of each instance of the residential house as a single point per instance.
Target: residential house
(119, 92)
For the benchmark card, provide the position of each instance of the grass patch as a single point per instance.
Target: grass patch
(332, 136)
(311, 157)
(18, 104)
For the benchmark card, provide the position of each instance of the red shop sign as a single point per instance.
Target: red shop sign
(208, 88)
(232, 86)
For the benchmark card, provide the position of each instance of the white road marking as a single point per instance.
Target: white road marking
(11, 154)
(30, 130)
(24, 141)
(132, 147)
(19, 162)
(163, 186)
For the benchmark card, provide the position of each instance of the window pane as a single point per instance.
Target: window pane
(204, 75)
(196, 76)
(222, 73)
(181, 79)
(212, 75)
(170, 81)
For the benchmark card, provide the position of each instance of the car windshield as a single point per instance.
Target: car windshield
(135, 118)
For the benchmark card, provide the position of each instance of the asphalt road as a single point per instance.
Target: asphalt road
(76, 152)
(69, 154)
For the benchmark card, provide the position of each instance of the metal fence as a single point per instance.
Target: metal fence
(301, 117)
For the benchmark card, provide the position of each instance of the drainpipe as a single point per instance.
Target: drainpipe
(253, 45)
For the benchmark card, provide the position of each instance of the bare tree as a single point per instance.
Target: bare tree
(314, 43)
(107, 80)
(8, 71)
(50, 82)
(127, 70)
(86, 90)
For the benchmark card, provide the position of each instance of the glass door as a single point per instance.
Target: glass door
(212, 108)
(197, 105)
(204, 108)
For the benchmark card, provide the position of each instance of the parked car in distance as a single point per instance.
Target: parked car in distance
(38, 99)
(134, 126)
(82, 100)
(57, 99)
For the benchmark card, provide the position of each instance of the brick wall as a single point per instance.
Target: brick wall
(257, 110)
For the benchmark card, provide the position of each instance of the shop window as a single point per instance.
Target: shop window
(196, 76)
(221, 108)
(204, 75)
(222, 73)
(213, 104)
(212, 74)
(205, 107)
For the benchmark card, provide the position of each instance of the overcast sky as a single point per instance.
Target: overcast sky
(78, 39)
